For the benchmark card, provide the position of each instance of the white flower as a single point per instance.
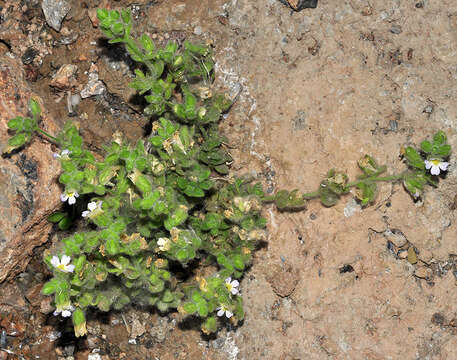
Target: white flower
(95, 208)
(222, 309)
(70, 196)
(65, 310)
(164, 244)
(232, 285)
(62, 265)
(64, 154)
(435, 165)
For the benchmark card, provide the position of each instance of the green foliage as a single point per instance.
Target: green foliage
(157, 203)
(23, 127)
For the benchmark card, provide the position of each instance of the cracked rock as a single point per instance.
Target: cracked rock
(55, 11)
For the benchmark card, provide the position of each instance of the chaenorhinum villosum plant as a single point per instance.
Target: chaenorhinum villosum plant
(165, 226)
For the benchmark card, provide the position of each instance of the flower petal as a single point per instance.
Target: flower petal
(235, 283)
(70, 268)
(228, 280)
(55, 313)
(85, 213)
(229, 314)
(234, 291)
(72, 199)
(65, 260)
(66, 313)
(76, 194)
(63, 197)
(220, 312)
(92, 206)
(65, 152)
(435, 170)
(55, 261)
(443, 165)
(428, 164)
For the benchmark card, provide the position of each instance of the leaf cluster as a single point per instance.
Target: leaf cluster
(23, 127)
(163, 209)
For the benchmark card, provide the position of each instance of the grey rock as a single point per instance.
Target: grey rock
(396, 29)
(55, 11)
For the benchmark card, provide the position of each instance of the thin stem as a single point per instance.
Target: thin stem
(311, 195)
(48, 135)
(376, 179)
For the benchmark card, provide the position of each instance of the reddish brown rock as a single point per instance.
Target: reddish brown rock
(28, 189)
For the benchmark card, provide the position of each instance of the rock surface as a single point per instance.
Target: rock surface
(55, 11)
(28, 190)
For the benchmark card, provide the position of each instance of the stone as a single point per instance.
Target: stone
(137, 329)
(94, 357)
(28, 189)
(298, 5)
(396, 237)
(423, 272)
(94, 86)
(64, 77)
(55, 11)
(34, 295)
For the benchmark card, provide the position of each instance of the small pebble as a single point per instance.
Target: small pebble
(198, 30)
(396, 29)
(423, 272)
(393, 124)
(3, 339)
(94, 357)
(428, 109)
(29, 55)
(55, 11)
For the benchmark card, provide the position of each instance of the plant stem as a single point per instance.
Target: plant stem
(311, 195)
(376, 179)
(48, 135)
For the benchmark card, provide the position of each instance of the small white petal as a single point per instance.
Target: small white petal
(234, 291)
(443, 165)
(92, 206)
(55, 261)
(76, 194)
(220, 312)
(65, 152)
(228, 280)
(70, 268)
(72, 200)
(235, 283)
(435, 170)
(428, 164)
(55, 155)
(65, 260)
(55, 313)
(66, 313)
(85, 213)
(228, 314)
(63, 197)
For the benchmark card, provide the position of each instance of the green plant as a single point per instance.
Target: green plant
(168, 228)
